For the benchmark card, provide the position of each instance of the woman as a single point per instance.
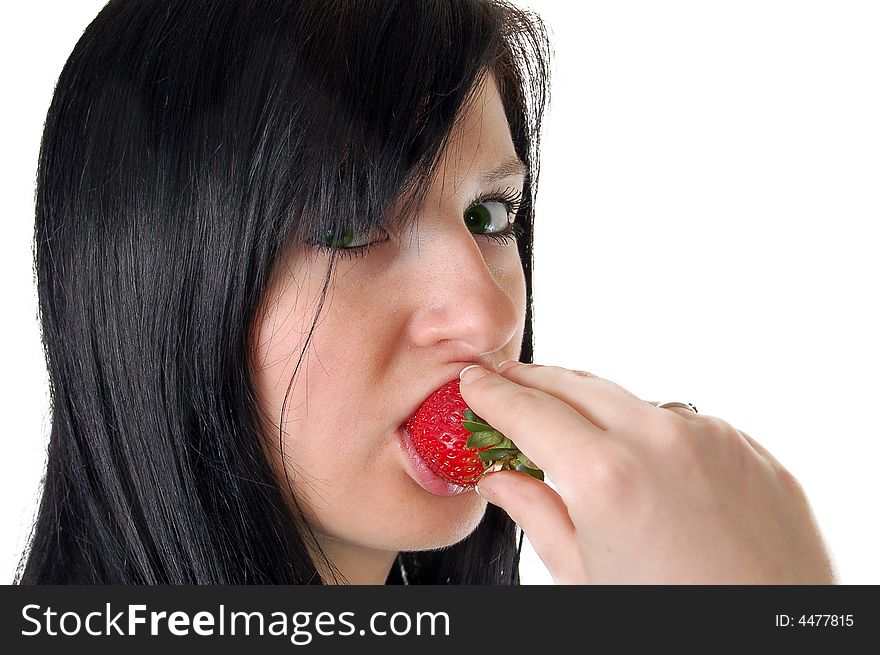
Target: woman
(253, 268)
(226, 391)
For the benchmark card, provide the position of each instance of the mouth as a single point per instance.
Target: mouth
(418, 470)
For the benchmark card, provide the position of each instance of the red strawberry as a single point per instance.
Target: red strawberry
(457, 444)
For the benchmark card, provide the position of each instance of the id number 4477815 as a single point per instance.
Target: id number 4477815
(815, 620)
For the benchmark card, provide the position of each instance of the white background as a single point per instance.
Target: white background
(706, 231)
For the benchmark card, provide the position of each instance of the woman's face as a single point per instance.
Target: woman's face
(397, 324)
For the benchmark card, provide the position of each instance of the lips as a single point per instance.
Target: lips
(424, 476)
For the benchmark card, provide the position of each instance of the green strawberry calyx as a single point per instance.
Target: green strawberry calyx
(499, 452)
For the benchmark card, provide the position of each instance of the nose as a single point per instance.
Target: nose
(463, 304)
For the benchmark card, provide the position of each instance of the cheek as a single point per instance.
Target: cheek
(519, 282)
(509, 275)
(316, 396)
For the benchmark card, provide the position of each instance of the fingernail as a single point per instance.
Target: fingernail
(509, 363)
(471, 373)
(484, 493)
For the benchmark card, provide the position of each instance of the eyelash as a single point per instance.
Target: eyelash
(510, 198)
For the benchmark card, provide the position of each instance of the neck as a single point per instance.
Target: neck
(358, 564)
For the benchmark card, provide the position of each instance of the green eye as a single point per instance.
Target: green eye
(344, 240)
(343, 243)
(488, 217)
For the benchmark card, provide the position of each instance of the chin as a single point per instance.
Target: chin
(442, 527)
(419, 521)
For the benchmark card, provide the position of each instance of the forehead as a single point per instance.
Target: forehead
(481, 139)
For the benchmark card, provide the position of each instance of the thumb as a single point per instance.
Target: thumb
(541, 513)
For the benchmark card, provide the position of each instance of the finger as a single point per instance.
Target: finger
(550, 432)
(543, 516)
(602, 402)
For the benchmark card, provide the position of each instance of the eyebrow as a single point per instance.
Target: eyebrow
(508, 167)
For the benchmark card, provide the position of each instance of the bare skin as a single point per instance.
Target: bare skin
(398, 323)
(645, 495)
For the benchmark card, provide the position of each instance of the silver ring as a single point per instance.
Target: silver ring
(689, 406)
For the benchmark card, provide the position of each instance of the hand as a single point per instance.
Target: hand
(645, 495)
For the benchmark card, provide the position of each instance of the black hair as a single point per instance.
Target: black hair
(187, 145)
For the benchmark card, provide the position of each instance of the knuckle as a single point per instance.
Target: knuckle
(521, 405)
(578, 376)
(788, 480)
(668, 430)
(718, 429)
(568, 374)
(573, 373)
(727, 438)
(722, 436)
(686, 438)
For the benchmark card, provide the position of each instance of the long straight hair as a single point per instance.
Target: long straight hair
(187, 146)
